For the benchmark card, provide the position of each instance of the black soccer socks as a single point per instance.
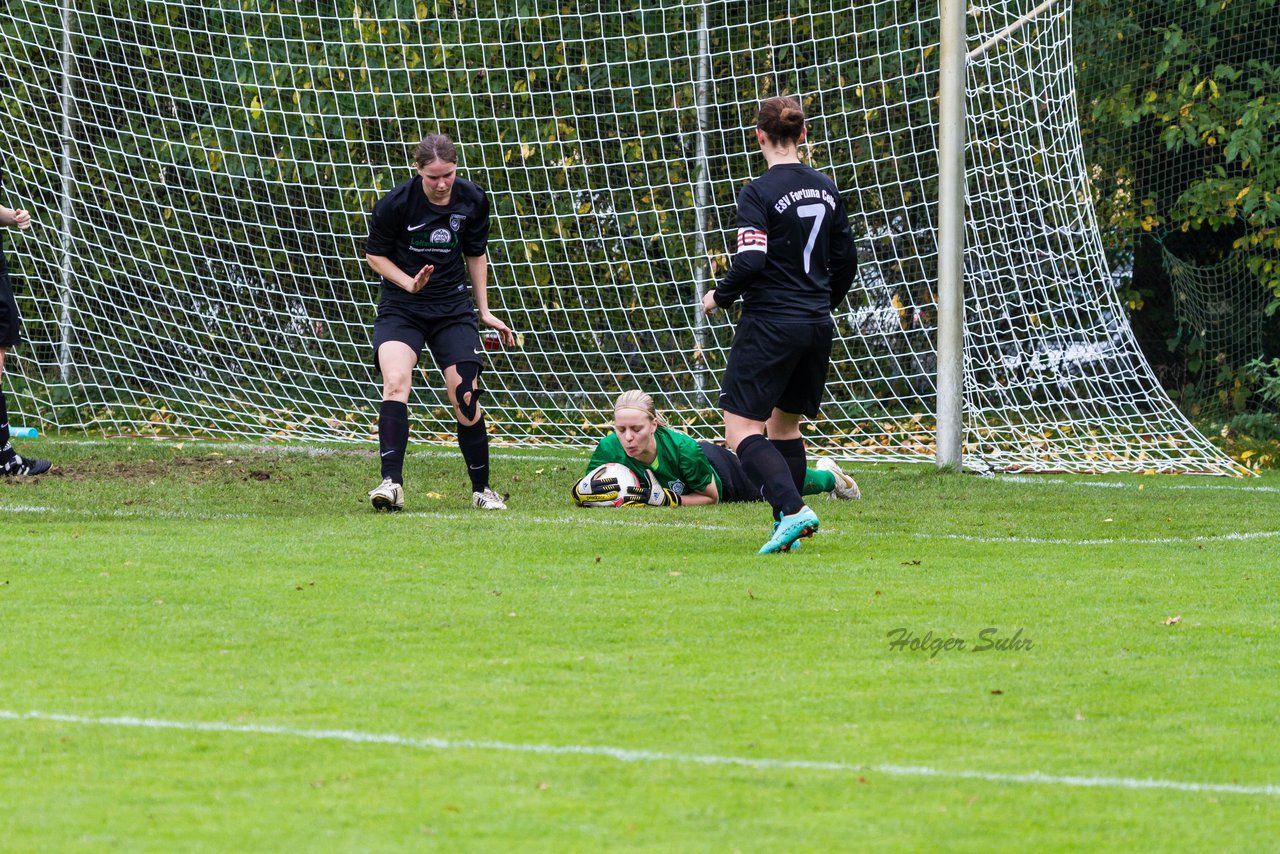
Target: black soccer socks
(6, 450)
(473, 440)
(393, 438)
(792, 451)
(765, 465)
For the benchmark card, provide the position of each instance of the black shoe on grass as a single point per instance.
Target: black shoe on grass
(20, 467)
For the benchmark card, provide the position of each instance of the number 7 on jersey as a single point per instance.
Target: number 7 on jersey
(817, 213)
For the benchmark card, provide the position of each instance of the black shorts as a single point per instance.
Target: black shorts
(10, 322)
(776, 365)
(735, 484)
(452, 339)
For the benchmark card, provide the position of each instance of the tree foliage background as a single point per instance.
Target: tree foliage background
(1180, 105)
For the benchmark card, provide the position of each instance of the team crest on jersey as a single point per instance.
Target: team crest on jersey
(676, 486)
(455, 221)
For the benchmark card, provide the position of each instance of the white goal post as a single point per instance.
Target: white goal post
(201, 176)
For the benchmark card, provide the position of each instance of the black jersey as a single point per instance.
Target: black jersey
(3, 268)
(10, 321)
(796, 258)
(413, 233)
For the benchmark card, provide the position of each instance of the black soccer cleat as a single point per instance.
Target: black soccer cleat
(20, 467)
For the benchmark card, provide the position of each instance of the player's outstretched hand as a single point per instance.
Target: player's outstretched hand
(420, 280)
(22, 219)
(490, 320)
(658, 496)
(709, 302)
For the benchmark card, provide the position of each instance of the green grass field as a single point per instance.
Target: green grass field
(219, 647)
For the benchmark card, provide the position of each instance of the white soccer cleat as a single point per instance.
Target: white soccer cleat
(387, 495)
(846, 487)
(488, 500)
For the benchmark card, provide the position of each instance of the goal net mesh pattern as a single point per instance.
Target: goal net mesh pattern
(201, 176)
(1223, 308)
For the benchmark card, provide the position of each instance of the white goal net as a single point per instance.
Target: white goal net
(201, 175)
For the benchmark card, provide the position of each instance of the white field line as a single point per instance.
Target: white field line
(564, 455)
(557, 455)
(1223, 486)
(1047, 541)
(1147, 480)
(633, 521)
(471, 517)
(583, 519)
(627, 755)
(139, 513)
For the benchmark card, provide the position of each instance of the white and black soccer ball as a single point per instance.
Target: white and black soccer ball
(609, 485)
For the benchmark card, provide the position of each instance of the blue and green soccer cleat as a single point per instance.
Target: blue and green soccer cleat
(802, 523)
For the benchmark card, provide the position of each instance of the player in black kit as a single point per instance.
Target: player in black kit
(10, 334)
(427, 237)
(795, 263)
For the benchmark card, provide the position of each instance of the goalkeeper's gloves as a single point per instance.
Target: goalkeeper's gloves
(604, 490)
(664, 498)
(653, 493)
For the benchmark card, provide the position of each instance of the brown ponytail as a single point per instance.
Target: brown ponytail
(781, 119)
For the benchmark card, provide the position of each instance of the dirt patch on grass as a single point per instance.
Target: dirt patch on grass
(204, 469)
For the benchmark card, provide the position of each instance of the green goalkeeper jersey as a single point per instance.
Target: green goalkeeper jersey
(681, 466)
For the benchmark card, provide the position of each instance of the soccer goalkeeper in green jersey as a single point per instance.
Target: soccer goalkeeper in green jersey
(675, 469)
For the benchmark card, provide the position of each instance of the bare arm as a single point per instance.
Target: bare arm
(707, 495)
(387, 268)
(478, 271)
